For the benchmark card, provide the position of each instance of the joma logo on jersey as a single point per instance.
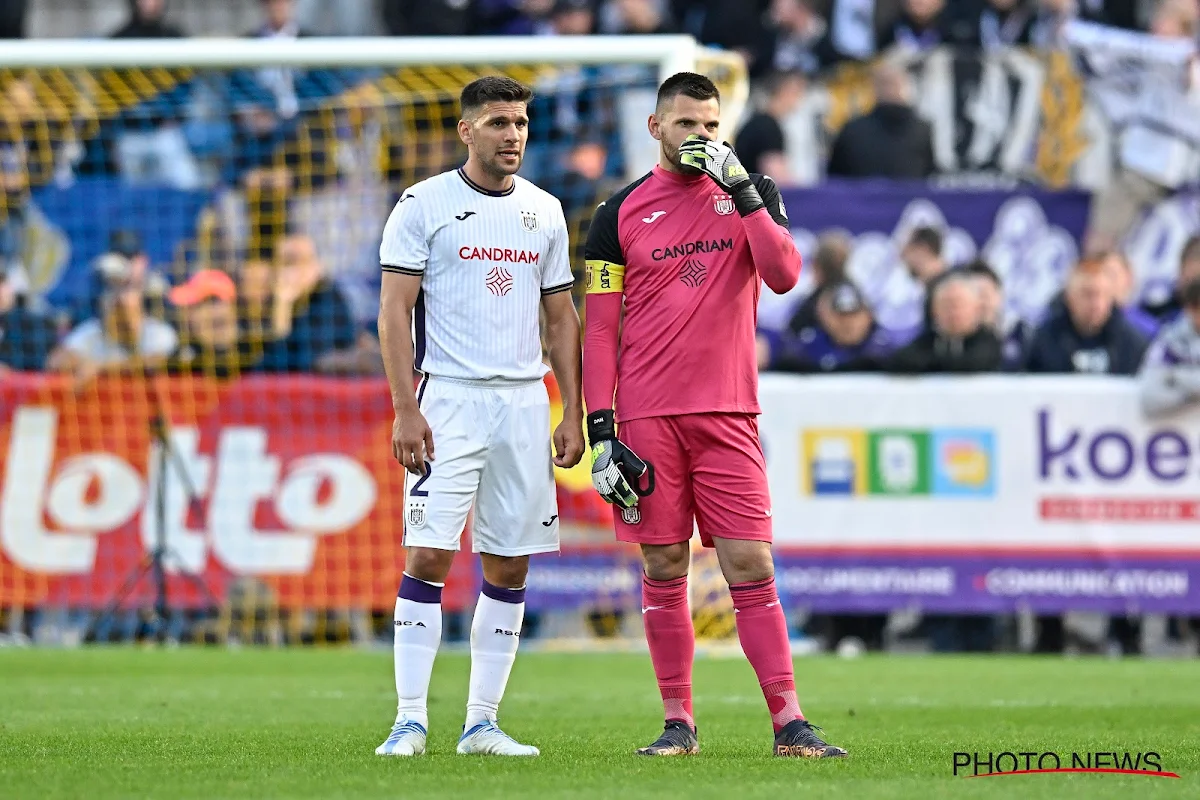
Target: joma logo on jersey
(498, 254)
(691, 248)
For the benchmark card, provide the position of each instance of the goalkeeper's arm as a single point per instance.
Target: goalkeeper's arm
(757, 200)
(613, 464)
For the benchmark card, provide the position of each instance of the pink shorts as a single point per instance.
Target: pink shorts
(708, 468)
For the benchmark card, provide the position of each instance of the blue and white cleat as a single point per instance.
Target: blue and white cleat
(406, 739)
(486, 738)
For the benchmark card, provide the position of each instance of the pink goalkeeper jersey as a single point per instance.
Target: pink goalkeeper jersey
(677, 249)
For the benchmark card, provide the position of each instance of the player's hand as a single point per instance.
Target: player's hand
(718, 161)
(568, 442)
(412, 441)
(616, 470)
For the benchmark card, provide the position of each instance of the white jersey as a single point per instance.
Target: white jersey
(485, 259)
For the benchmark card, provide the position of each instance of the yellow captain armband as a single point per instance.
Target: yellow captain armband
(604, 277)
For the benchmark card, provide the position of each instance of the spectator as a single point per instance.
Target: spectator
(890, 141)
(1170, 374)
(12, 18)
(1084, 333)
(26, 337)
(922, 254)
(1013, 332)
(736, 26)
(310, 316)
(147, 20)
(1176, 19)
(761, 144)
(1005, 23)
(920, 28)
(798, 40)
(427, 17)
(510, 17)
(1189, 270)
(635, 16)
(957, 339)
(846, 337)
(571, 18)
(207, 310)
(829, 268)
(1122, 275)
(122, 337)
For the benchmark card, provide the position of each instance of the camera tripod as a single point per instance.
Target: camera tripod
(153, 564)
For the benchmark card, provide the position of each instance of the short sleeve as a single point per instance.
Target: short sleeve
(405, 246)
(603, 254)
(160, 339)
(81, 340)
(556, 275)
(772, 199)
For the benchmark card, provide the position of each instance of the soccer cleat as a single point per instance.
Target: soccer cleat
(486, 738)
(678, 739)
(799, 740)
(406, 739)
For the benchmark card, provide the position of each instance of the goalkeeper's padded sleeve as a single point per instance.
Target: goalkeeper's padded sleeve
(775, 255)
(603, 314)
(746, 198)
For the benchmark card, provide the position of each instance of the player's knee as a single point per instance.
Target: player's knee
(505, 571)
(744, 561)
(428, 563)
(666, 562)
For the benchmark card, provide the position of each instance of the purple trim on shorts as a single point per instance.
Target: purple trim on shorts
(503, 595)
(419, 591)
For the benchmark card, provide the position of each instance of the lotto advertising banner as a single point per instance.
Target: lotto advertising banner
(981, 494)
(295, 487)
(294, 481)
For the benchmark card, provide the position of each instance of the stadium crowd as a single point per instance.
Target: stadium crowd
(282, 275)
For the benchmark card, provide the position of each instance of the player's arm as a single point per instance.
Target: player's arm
(759, 203)
(403, 254)
(412, 440)
(613, 464)
(563, 345)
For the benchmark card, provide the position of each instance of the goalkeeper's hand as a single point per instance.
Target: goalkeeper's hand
(719, 162)
(616, 470)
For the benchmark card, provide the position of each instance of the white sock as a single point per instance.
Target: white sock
(495, 634)
(418, 632)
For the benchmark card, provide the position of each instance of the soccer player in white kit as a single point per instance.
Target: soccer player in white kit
(468, 257)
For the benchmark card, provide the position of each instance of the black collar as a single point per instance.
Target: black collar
(462, 174)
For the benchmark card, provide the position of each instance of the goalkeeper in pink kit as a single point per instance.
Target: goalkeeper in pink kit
(675, 262)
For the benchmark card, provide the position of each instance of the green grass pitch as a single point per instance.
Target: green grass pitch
(211, 723)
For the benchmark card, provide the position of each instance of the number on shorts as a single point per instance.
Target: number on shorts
(417, 491)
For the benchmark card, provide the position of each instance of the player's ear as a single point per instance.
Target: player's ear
(654, 127)
(464, 131)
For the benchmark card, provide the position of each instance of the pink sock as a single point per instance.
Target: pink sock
(762, 630)
(672, 640)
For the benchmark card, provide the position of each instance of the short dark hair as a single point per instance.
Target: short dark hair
(492, 89)
(688, 84)
(982, 269)
(1190, 296)
(929, 238)
(1191, 250)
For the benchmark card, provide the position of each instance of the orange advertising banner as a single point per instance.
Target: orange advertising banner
(292, 485)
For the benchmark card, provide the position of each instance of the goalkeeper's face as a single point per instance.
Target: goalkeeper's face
(495, 137)
(678, 119)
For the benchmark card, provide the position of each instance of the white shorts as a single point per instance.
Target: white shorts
(491, 446)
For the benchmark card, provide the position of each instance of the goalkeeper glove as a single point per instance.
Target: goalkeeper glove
(719, 162)
(616, 469)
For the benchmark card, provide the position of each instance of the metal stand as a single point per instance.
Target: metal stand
(153, 562)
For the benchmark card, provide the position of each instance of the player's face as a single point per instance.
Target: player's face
(679, 119)
(496, 137)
